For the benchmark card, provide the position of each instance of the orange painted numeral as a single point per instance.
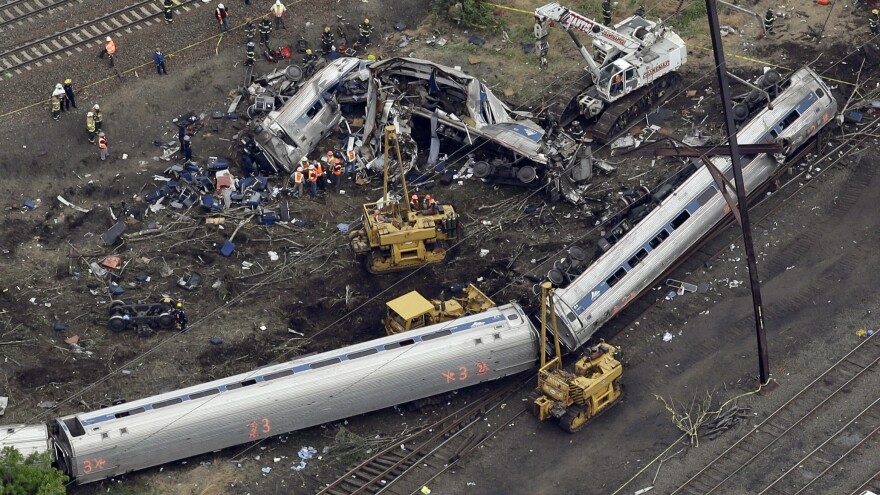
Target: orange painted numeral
(256, 428)
(90, 465)
(482, 368)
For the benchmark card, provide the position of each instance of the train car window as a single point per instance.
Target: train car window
(706, 196)
(820, 93)
(571, 316)
(233, 386)
(774, 133)
(203, 393)
(322, 364)
(166, 403)
(130, 412)
(364, 353)
(406, 342)
(618, 275)
(680, 219)
(512, 317)
(75, 427)
(246, 383)
(277, 375)
(656, 241)
(435, 335)
(639, 256)
(789, 119)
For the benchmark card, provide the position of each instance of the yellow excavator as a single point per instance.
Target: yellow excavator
(574, 397)
(412, 310)
(394, 237)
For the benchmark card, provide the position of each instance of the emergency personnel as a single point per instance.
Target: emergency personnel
(313, 181)
(181, 133)
(606, 12)
(187, 149)
(102, 145)
(327, 40)
(250, 30)
(309, 57)
(319, 171)
(169, 11)
(221, 13)
(180, 319)
(414, 203)
(109, 50)
(169, 302)
(874, 22)
(365, 30)
(69, 97)
(265, 30)
(769, 18)
(379, 217)
(335, 172)
(298, 177)
(57, 97)
(90, 126)
(641, 11)
(249, 51)
(99, 117)
(159, 59)
(278, 10)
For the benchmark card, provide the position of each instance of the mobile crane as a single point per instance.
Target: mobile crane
(394, 237)
(573, 397)
(634, 67)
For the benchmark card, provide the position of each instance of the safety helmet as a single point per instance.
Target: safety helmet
(366, 21)
(179, 305)
(186, 138)
(326, 29)
(250, 43)
(311, 167)
(414, 196)
(371, 58)
(108, 38)
(308, 51)
(67, 81)
(101, 133)
(58, 86)
(220, 6)
(875, 11)
(90, 114)
(96, 107)
(299, 169)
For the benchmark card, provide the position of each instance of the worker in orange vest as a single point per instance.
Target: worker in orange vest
(313, 181)
(298, 177)
(319, 169)
(335, 170)
(102, 145)
(414, 202)
(109, 50)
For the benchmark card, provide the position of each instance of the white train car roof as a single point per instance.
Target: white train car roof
(298, 394)
(27, 439)
(592, 290)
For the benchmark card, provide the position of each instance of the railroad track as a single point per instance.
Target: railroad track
(872, 484)
(48, 48)
(408, 464)
(18, 11)
(847, 374)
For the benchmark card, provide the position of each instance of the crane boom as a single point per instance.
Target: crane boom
(570, 19)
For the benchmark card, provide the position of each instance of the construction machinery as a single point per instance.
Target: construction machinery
(394, 236)
(412, 310)
(573, 397)
(633, 68)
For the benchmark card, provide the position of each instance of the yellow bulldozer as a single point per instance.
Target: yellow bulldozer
(394, 237)
(574, 396)
(412, 310)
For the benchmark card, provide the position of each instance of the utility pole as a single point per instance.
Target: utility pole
(721, 68)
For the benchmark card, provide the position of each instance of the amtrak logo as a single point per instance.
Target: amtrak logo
(595, 294)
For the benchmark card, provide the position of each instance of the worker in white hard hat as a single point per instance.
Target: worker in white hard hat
(99, 117)
(278, 10)
(313, 181)
(90, 126)
(298, 178)
(109, 50)
(221, 13)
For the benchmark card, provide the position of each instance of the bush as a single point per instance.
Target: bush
(471, 13)
(31, 475)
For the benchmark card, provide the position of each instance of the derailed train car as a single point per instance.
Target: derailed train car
(294, 395)
(436, 359)
(591, 296)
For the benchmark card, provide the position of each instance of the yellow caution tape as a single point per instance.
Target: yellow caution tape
(505, 7)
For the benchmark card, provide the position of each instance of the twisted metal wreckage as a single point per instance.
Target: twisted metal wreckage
(293, 114)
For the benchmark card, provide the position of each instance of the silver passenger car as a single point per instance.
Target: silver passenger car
(298, 394)
(687, 215)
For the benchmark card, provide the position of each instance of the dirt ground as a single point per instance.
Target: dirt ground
(46, 250)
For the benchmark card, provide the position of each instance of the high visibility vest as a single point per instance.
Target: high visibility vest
(319, 170)
(110, 46)
(102, 142)
(97, 115)
(56, 104)
(337, 168)
(278, 9)
(313, 176)
(90, 124)
(297, 177)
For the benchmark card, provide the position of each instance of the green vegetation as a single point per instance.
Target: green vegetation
(469, 13)
(31, 475)
(691, 21)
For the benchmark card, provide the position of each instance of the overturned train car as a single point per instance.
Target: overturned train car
(294, 395)
(592, 293)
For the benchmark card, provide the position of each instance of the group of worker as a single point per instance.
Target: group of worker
(64, 98)
(318, 174)
(177, 313)
(328, 41)
(421, 206)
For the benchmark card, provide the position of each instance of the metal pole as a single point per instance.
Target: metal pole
(721, 68)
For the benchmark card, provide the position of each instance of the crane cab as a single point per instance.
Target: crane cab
(617, 79)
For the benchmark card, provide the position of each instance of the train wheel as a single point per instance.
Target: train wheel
(166, 321)
(574, 418)
(116, 323)
(116, 303)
